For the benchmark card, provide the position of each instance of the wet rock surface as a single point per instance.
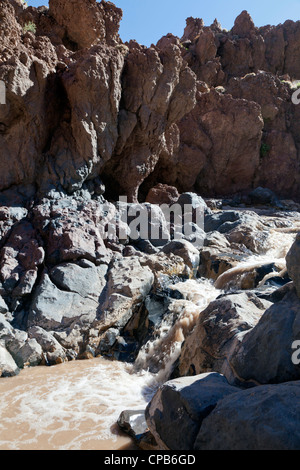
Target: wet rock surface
(264, 355)
(260, 419)
(292, 261)
(219, 327)
(133, 422)
(175, 414)
(51, 74)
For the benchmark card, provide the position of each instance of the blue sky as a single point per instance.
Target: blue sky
(148, 20)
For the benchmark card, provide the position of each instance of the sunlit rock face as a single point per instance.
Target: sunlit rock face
(95, 22)
(209, 112)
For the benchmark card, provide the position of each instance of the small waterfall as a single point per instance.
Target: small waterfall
(76, 405)
(161, 352)
(279, 243)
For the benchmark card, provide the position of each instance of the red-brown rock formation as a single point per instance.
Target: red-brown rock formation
(87, 22)
(80, 103)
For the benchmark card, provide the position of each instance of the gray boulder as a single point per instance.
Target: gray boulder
(53, 352)
(175, 414)
(192, 233)
(6, 330)
(146, 222)
(128, 284)
(3, 306)
(8, 367)
(222, 221)
(192, 200)
(262, 418)
(293, 263)
(263, 196)
(25, 352)
(265, 353)
(219, 330)
(83, 277)
(193, 210)
(186, 251)
(133, 423)
(52, 308)
(243, 228)
(217, 240)
(250, 232)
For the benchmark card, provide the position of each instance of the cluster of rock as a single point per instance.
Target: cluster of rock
(237, 382)
(67, 291)
(88, 119)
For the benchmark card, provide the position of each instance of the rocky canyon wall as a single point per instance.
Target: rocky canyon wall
(209, 112)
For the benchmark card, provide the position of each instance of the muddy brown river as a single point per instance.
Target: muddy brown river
(72, 406)
(76, 405)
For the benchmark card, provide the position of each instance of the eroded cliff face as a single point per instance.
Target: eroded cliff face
(244, 127)
(81, 103)
(210, 112)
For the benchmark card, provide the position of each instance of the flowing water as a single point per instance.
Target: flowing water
(279, 243)
(75, 406)
(72, 406)
(159, 354)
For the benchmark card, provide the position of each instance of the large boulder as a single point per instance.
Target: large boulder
(146, 222)
(263, 418)
(175, 414)
(250, 232)
(187, 251)
(244, 228)
(265, 353)
(8, 367)
(128, 284)
(263, 196)
(293, 263)
(53, 352)
(73, 228)
(24, 350)
(194, 203)
(219, 328)
(133, 423)
(95, 21)
(222, 221)
(82, 277)
(217, 256)
(162, 194)
(6, 329)
(52, 308)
